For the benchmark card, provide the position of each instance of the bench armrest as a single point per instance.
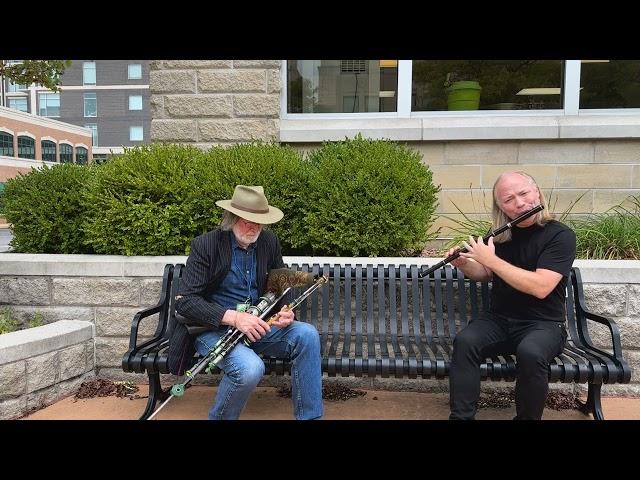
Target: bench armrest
(613, 330)
(135, 324)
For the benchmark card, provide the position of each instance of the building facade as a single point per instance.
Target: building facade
(110, 97)
(573, 124)
(29, 141)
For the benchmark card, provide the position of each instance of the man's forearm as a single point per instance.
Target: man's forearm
(475, 271)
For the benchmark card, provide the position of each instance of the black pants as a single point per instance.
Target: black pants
(535, 344)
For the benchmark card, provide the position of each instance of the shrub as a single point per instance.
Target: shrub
(46, 209)
(366, 198)
(141, 203)
(611, 235)
(278, 168)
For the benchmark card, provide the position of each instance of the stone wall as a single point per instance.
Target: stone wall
(107, 291)
(41, 365)
(214, 102)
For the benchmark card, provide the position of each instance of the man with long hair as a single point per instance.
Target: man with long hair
(529, 266)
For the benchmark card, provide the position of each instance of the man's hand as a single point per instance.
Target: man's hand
(285, 318)
(478, 251)
(253, 327)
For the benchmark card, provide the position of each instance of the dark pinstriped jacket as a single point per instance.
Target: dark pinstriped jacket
(207, 266)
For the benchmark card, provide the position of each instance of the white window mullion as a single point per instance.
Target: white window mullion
(572, 87)
(405, 69)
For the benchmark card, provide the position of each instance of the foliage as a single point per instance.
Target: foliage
(44, 72)
(46, 209)
(142, 203)
(611, 235)
(366, 197)
(8, 323)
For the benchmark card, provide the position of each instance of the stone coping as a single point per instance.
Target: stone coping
(36, 341)
(25, 264)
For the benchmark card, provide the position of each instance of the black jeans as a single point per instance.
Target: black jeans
(535, 344)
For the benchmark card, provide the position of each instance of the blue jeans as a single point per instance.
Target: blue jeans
(243, 369)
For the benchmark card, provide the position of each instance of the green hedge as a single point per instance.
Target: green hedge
(46, 208)
(355, 197)
(367, 198)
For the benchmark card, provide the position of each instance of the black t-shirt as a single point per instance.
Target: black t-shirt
(552, 247)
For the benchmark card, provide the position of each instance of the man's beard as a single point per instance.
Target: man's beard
(249, 238)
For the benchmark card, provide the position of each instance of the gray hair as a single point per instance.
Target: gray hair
(228, 220)
(498, 216)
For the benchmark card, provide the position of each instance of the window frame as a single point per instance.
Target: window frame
(129, 77)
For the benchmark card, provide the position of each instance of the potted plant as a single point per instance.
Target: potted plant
(463, 89)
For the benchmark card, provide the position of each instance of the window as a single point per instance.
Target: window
(342, 86)
(94, 130)
(135, 134)
(134, 71)
(6, 144)
(66, 153)
(486, 85)
(610, 84)
(90, 105)
(26, 147)
(19, 103)
(16, 87)
(81, 155)
(48, 151)
(135, 102)
(89, 73)
(49, 104)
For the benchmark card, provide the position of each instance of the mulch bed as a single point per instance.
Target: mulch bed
(332, 391)
(105, 388)
(555, 400)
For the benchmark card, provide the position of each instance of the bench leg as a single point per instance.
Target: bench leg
(593, 404)
(155, 394)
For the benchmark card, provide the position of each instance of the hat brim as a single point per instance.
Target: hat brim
(272, 216)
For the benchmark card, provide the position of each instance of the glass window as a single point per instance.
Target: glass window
(19, 103)
(94, 130)
(16, 87)
(48, 151)
(90, 105)
(81, 155)
(135, 102)
(66, 153)
(49, 104)
(26, 147)
(135, 134)
(342, 86)
(134, 71)
(89, 73)
(486, 85)
(6, 144)
(610, 84)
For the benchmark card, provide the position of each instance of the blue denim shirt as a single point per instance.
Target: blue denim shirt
(240, 282)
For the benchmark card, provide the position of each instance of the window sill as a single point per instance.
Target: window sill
(472, 127)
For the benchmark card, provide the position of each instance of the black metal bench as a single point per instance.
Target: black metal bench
(397, 325)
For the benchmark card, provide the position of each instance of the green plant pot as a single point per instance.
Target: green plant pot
(464, 95)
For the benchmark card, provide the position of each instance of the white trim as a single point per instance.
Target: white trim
(42, 121)
(23, 162)
(107, 150)
(26, 134)
(470, 127)
(104, 87)
(82, 145)
(405, 72)
(7, 130)
(65, 141)
(51, 139)
(572, 87)
(283, 89)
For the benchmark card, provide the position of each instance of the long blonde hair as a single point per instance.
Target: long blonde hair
(499, 218)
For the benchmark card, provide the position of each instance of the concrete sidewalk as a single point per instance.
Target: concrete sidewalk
(266, 404)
